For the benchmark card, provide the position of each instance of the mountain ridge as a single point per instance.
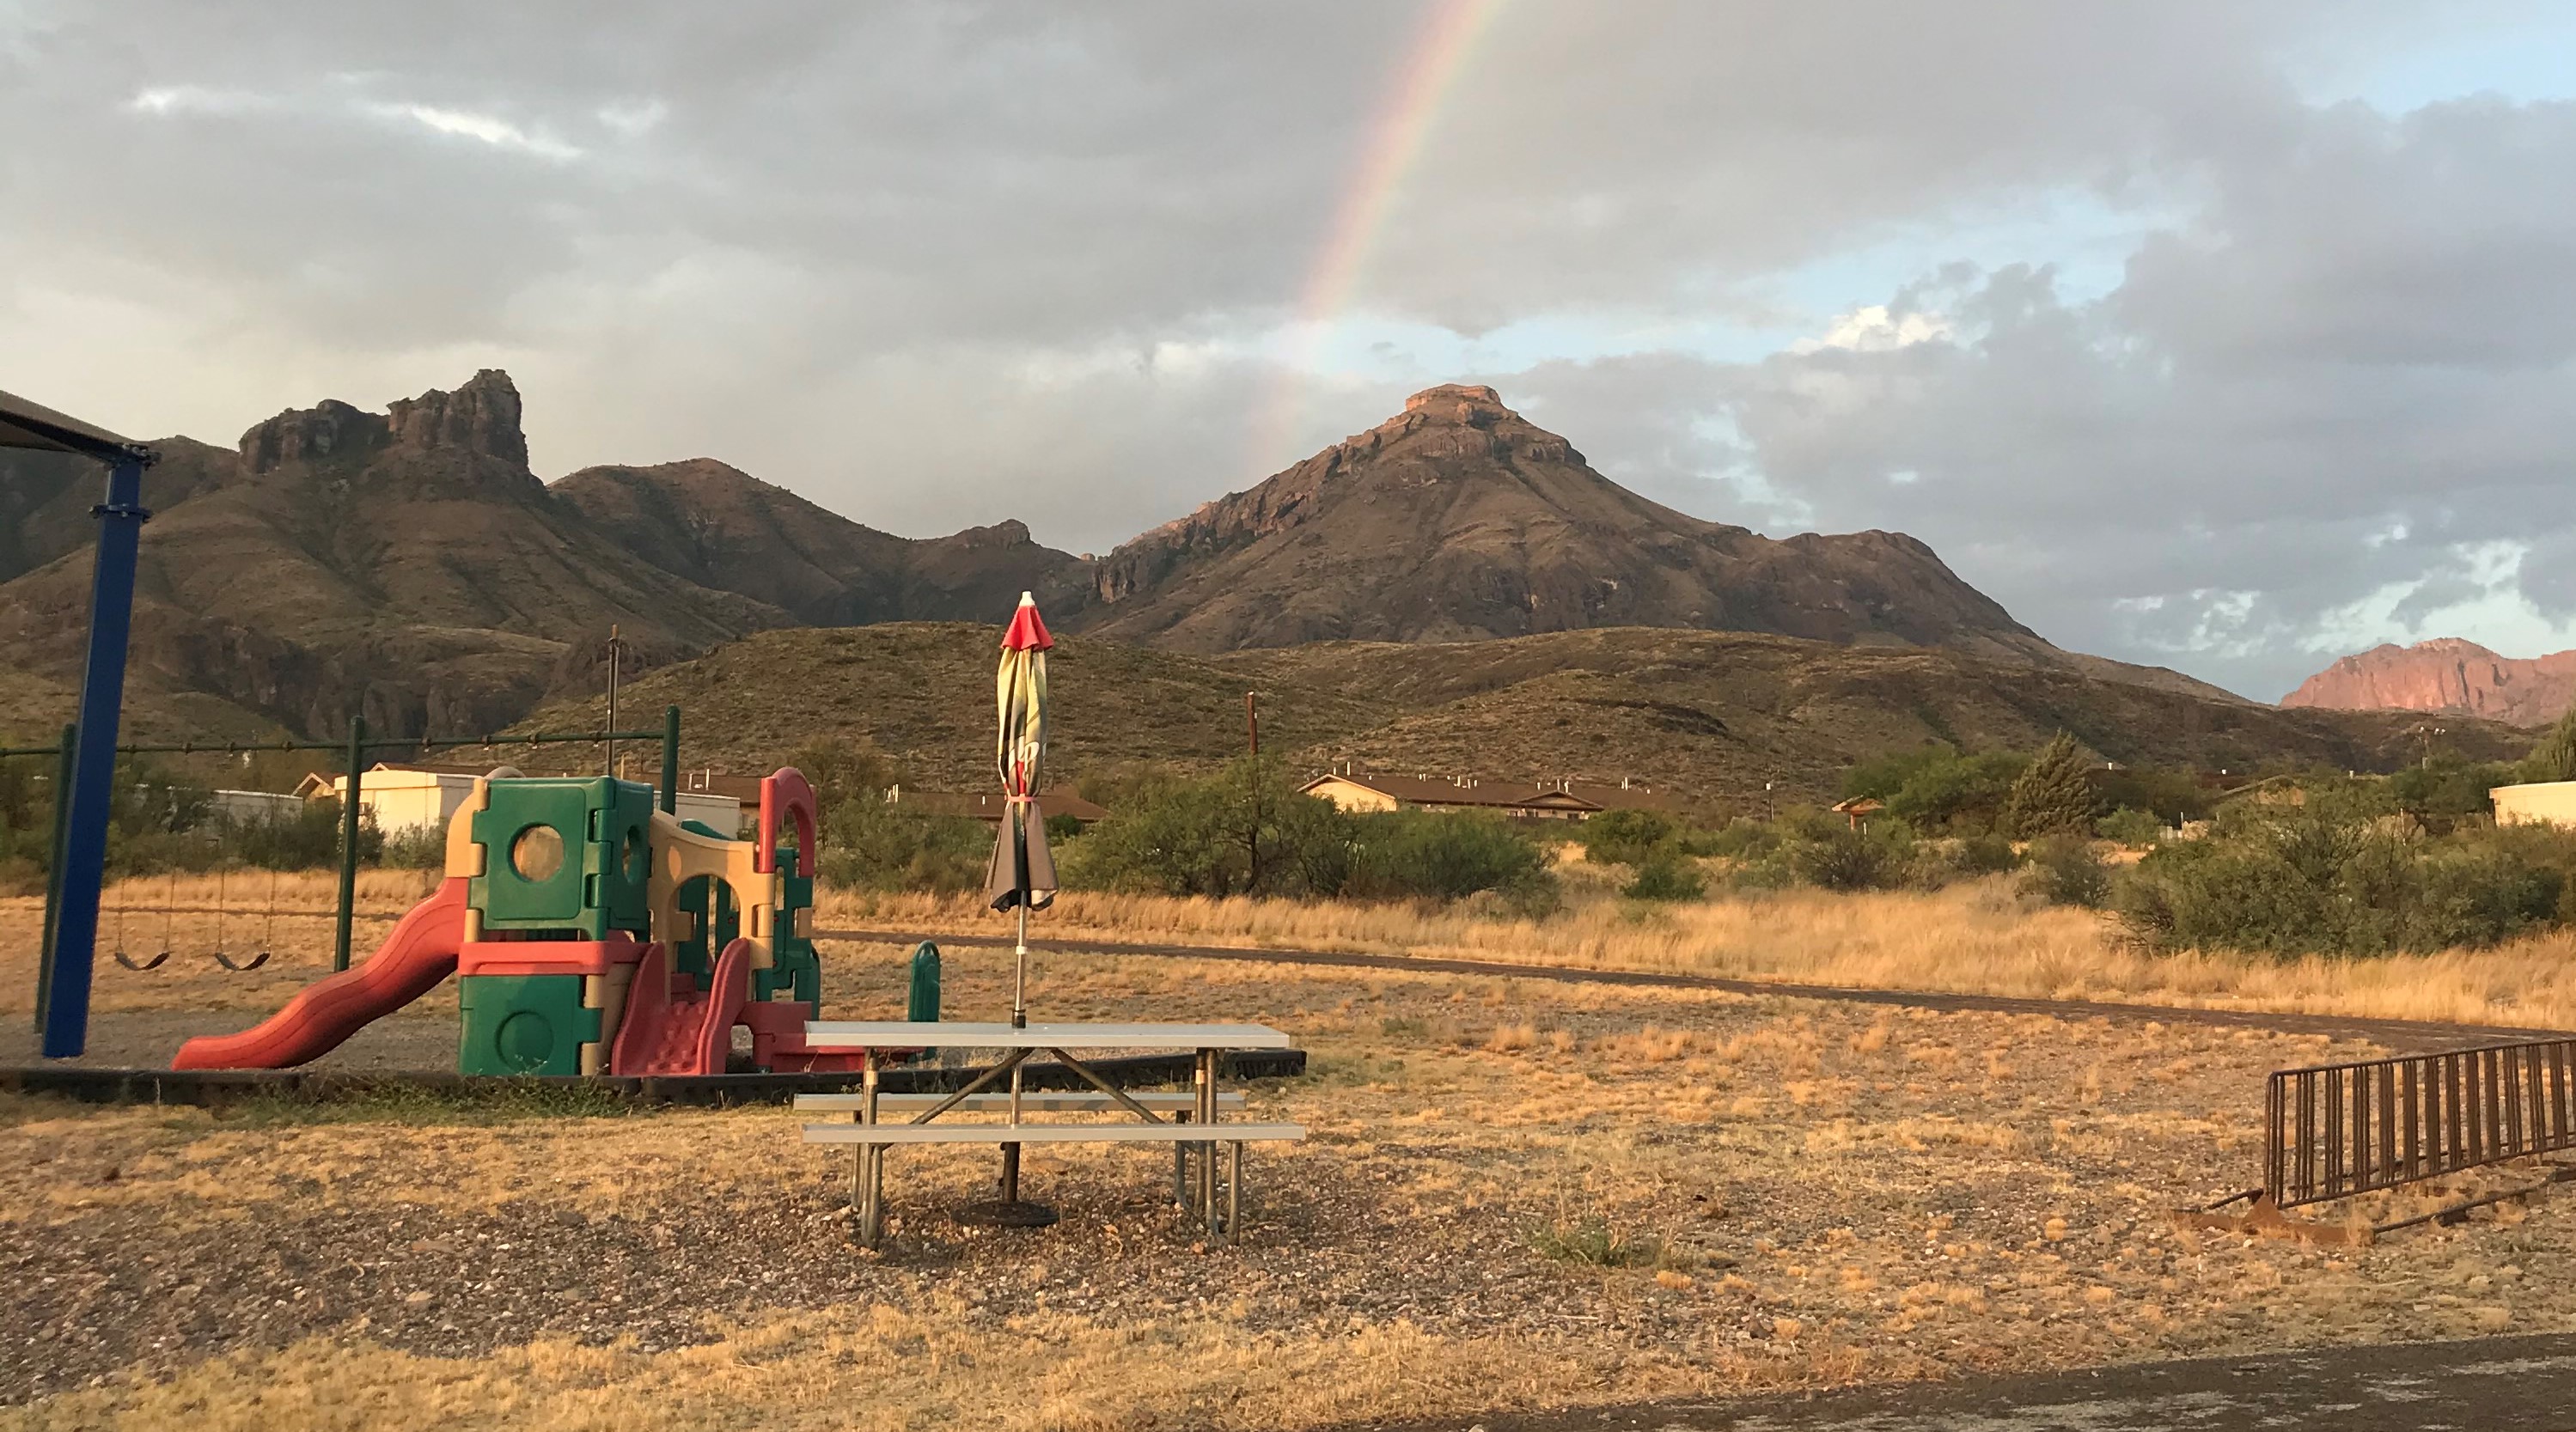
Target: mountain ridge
(1459, 519)
(2445, 675)
(409, 565)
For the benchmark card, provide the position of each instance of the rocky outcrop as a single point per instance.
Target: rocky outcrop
(481, 416)
(1458, 519)
(2445, 674)
(447, 440)
(329, 430)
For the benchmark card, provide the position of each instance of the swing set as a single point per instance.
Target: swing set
(222, 952)
(123, 918)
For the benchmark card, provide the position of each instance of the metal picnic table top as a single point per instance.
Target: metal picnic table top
(900, 1034)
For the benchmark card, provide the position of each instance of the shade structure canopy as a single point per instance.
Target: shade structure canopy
(37, 428)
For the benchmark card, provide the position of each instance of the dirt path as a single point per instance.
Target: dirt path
(2402, 1035)
(2518, 1384)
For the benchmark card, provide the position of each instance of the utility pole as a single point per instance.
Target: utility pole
(609, 759)
(1766, 801)
(2428, 732)
(1252, 739)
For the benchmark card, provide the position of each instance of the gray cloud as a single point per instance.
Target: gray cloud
(935, 265)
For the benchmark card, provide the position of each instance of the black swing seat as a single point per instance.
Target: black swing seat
(245, 966)
(153, 963)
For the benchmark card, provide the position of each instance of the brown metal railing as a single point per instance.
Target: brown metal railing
(2341, 1129)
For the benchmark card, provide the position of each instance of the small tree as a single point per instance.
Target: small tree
(2554, 759)
(2053, 796)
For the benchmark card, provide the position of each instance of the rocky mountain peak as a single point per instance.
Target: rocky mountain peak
(2445, 673)
(1473, 404)
(328, 429)
(481, 416)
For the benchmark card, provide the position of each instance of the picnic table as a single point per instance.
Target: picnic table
(1193, 1121)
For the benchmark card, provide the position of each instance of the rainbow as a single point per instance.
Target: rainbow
(1390, 147)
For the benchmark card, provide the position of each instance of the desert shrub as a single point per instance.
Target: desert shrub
(1740, 839)
(1935, 788)
(874, 844)
(422, 847)
(2334, 878)
(310, 839)
(1202, 837)
(843, 770)
(27, 813)
(1986, 854)
(1596, 1242)
(2172, 796)
(1666, 875)
(1626, 837)
(1443, 856)
(2131, 826)
(2064, 870)
(2054, 794)
(1845, 859)
(2554, 758)
(1196, 837)
(2445, 790)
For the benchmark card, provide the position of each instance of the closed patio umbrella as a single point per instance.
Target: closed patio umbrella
(1021, 876)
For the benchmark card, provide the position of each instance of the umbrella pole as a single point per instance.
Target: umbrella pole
(1019, 1020)
(1020, 971)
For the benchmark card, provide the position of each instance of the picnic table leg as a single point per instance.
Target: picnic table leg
(1180, 1164)
(1234, 1193)
(1206, 1189)
(1011, 1152)
(872, 1215)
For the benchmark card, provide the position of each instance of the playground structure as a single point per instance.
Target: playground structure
(590, 933)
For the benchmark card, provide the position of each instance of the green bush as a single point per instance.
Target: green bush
(1935, 788)
(310, 840)
(1202, 837)
(422, 847)
(2554, 759)
(2065, 871)
(1846, 859)
(2054, 794)
(1987, 854)
(1444, 856)
(1666, 876)
(2132, 827)
(1626, 837)
(871, 844)
(1741, 839)
(2445, 790)
(2333, 878)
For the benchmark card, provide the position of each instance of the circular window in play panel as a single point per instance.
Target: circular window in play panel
(537, 854)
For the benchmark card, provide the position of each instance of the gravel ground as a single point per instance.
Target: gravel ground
(1669, 1191)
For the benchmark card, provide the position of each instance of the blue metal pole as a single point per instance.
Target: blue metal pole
(93, 792)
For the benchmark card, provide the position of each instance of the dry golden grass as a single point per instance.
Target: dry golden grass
(290, 915)
(1811, 1193)
(1976, 938)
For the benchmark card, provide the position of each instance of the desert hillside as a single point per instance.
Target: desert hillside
(1709, 715)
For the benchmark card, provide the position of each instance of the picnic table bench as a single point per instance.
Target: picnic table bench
(1193, 1122)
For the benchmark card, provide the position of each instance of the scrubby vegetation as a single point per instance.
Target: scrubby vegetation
(1247, 830)
(162, 822)
(2344, 872)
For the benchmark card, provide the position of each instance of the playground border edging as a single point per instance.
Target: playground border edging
(217, 1088)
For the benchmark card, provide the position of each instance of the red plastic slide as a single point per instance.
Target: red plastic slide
(413, 959)
(671, 1027)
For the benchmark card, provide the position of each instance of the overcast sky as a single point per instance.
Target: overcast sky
(2222, 336)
